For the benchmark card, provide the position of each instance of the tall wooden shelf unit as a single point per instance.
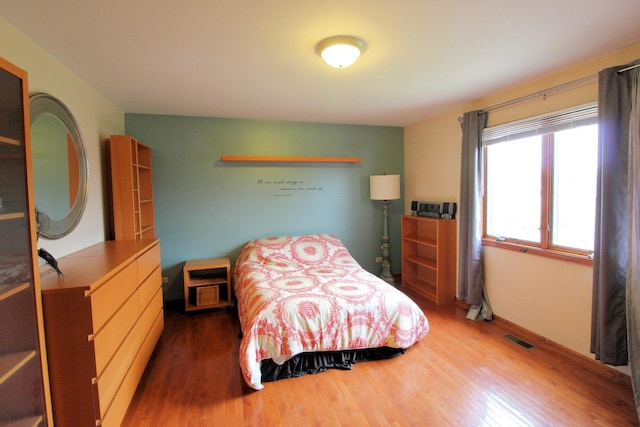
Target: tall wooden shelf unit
(23, 373)
(429, 257)
(131, 188)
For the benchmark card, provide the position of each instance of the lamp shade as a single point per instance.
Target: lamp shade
(385, 187)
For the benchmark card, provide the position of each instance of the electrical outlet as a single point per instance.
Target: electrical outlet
(165, 279)
(379, 259)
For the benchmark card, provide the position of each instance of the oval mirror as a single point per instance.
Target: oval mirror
(59, 165)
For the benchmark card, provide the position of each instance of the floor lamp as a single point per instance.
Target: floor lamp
(385, 188)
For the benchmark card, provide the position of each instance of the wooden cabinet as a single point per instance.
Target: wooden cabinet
(429, 257)
(102, 320)
(207, 284)
(131, 188)
(23, 383)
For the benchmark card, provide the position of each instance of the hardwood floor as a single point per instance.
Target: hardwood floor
(462, 373)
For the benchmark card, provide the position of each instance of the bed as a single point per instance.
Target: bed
(306, 305)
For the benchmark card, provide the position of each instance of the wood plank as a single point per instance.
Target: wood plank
(27, 422)
(291, 159)
(11, 363)
(12, 215)
(11, 141)
(462, 373)
(9, 290)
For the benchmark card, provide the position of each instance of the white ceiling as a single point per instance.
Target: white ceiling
(255, 59)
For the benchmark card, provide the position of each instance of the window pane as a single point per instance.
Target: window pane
(574, 187)
(513, 190)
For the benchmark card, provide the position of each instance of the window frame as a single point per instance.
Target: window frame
(545, 248)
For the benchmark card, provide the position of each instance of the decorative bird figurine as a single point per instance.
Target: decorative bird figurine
(50, 260)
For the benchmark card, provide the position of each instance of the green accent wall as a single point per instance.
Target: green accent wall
(208, 208)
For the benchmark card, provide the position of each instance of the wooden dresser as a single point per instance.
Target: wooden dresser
(102, 321)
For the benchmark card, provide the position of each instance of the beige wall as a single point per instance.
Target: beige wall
(97, 119)
(549, 297)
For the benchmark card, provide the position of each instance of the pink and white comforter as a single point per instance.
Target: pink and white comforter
(307, 293)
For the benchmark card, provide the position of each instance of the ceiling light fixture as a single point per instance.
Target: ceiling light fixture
(341, 51)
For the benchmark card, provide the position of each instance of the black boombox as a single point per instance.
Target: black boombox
(446, 210)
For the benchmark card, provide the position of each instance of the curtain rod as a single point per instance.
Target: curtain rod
(631, 67)
(565, 86)
(543, 93)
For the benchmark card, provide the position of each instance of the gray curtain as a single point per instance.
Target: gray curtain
(608, 317)
(615, 323)
(470, 272)
(633, 258)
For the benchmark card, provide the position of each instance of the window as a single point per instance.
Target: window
(540, 183)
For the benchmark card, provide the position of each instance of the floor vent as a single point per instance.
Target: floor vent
(520, 342)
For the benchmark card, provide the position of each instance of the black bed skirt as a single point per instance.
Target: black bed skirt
(313, 363)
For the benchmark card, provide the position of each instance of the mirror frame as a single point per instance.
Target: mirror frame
(43, 103)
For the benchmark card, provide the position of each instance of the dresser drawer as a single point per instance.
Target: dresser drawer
(147, 262)
(149, 344)
(151, 312)
(119, 375)
(106, 342)
(105, 300)
(109, 381)
(149, 287)
(118, 408)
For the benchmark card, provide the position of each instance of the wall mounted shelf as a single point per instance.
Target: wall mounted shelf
(291, 159)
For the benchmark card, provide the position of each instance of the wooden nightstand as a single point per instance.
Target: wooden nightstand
(207, 284)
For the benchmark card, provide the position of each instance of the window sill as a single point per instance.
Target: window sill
(548, 253)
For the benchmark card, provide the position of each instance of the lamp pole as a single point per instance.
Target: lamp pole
(386, 264)
(385, 188)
